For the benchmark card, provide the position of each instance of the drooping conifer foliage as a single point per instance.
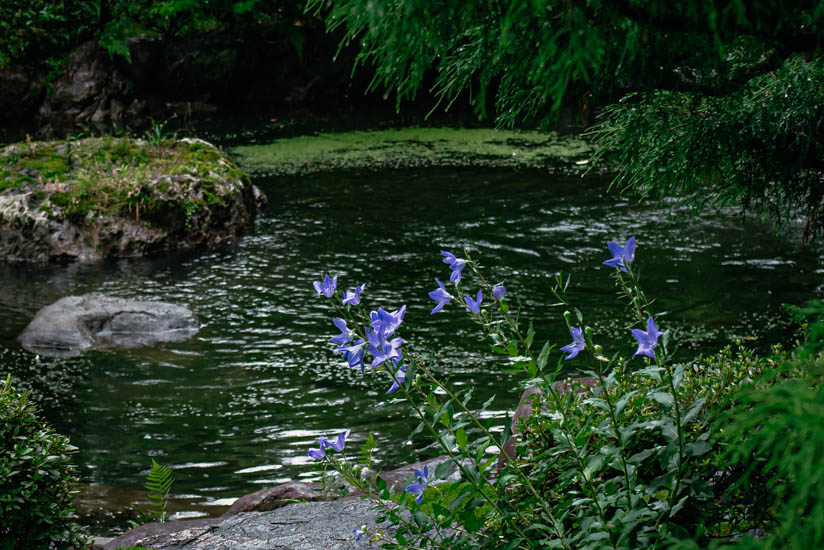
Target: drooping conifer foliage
(717, 100)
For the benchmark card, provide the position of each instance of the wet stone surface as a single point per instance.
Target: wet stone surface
(300, 526)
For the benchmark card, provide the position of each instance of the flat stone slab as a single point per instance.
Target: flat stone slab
(270, 518)
(299, 526)
(76, 324)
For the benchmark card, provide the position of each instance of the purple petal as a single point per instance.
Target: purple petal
(652, 329)
(629, 250)
(615, 249)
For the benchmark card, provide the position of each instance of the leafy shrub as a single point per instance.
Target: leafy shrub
(639, 454)
(33, 30)
(36, 477)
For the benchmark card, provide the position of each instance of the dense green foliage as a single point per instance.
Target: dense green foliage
(717, 100)
(36, 477)
(36, 31)
(649, 452)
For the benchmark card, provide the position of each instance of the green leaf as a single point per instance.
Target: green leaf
(512, 348)
(461, 438)
(678, 376)
(543, 356)
(530, 335)
(693, 410)
(664, 399)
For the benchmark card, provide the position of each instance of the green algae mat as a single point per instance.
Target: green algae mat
(414, 147)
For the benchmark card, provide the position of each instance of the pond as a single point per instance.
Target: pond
(236, 408)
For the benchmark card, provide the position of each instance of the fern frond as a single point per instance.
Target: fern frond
(367, 450)
(159, 482)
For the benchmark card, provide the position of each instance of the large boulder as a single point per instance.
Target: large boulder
(76, 324)
(101, 198)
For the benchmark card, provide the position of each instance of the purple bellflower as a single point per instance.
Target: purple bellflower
(441, 296)
(358, 533)
(345, 334)
(622, 256)
(499, 291)
(455, 264)
(327, 287)
(339, 443)
(323, 444)
(577, 345)
(353, 354)
(320, 452)
(474, 306)
(418, 486)
(386, 322)
(400, 377)
(648, 340)
(382, 350)
(353, 298)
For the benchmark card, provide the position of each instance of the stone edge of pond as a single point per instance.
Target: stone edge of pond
(98, 198)
(179, 534)
(418, 147)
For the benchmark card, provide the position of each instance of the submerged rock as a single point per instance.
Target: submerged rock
(76, 324)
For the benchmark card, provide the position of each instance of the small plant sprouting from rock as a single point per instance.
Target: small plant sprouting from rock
(158, 482)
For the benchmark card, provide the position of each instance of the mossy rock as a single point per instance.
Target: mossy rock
(113, 197)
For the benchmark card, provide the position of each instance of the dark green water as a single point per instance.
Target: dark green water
(236, 408)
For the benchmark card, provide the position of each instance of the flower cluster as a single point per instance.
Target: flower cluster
(377, 337)
(443, 297)
(622, 258)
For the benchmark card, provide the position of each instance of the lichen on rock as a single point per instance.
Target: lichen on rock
(98, 198)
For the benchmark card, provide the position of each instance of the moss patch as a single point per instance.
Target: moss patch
(410, 147)
(108, 176)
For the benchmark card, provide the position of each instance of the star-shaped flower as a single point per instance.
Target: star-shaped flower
(320, 452)
(327, 287)
(648, 340)
(474, 306)
(386, 322)
(339, 443)
(418, 486)
(381, 348)
(353, 298)
(441, 296)
(345, 334)
(577, 345)
(622, 256)
(455, 264)
(353, 354)
(323, 444)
